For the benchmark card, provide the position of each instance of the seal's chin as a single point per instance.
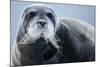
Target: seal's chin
(48, 36)
(41, 44)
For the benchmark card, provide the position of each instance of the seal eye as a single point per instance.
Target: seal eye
(32, 14)
(49, 15)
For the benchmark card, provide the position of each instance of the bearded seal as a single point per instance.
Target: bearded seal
(44, 38)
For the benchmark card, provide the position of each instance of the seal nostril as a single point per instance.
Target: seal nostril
(41, 23)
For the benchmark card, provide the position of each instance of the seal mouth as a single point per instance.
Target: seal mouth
(39, 43)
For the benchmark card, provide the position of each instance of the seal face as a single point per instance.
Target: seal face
(42, 39)
(40, 21)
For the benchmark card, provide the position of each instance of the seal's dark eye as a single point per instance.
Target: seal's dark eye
(49, 15)
(32, 14)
